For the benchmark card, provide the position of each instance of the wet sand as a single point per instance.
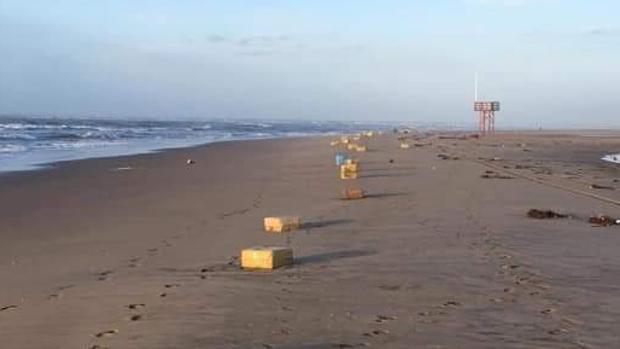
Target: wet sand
(441, 255)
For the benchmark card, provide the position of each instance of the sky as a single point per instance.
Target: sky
(549, 62)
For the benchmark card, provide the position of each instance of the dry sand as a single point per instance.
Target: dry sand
(437, 257)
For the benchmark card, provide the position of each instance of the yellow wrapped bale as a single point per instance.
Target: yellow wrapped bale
(281, 224)
(348, 171)
(354, 194)
(361, 149)
(266, 258)
(404, 146)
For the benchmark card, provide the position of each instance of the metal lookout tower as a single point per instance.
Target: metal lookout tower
(486, 112)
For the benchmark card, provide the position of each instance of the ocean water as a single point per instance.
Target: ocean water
(30, 143)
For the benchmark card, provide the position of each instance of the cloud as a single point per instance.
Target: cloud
(254, 40)
(263, 40)
(257, 45)
(602, 32)
(216, 39)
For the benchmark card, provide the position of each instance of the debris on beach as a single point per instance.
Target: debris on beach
(544, 214)
(604, 221)
(190, 162)
(340, 158)
(494, 175)
(598, 186)
(613, 158)
(8, 307)
(490, 159)
(125, 168)
(542, 171)
(447, 157)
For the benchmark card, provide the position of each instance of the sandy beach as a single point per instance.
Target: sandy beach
(142, 251)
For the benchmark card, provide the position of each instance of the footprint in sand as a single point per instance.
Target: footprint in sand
(134, 262)
(134, 306)
(384, 318)
(136, 317)
(257, 201)
(557, 331)
(429, 317)
(172, 285)
(548, 311)
(107, 333)
(510, 266)
(375, 333)
(390, 287)
(347, 345)
(104, 275)
(451, 304)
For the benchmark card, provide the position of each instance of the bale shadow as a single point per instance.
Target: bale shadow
(330, 256)
(387, 175)
(384, 195)
(395, 168)
(321, 224)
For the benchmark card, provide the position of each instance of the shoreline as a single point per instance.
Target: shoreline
(52, 165)
(36, 167)
(29, 143)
